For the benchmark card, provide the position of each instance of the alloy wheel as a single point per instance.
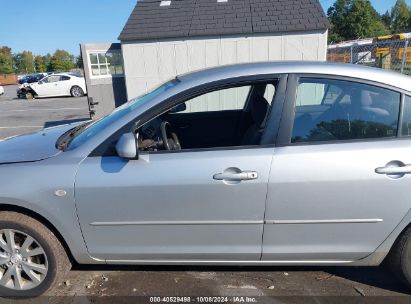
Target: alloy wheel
(23, 261)
(76, 91)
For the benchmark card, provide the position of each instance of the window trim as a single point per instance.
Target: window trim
(287, 120)
(98, 64)
(268, 138)
(401, 118)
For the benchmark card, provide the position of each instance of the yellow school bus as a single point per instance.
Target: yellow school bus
(386, 46)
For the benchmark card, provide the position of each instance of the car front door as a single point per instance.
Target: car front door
(49, 86)
(175, 206)
(331, 196)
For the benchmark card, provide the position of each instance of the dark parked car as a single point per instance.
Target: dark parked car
(32, 78)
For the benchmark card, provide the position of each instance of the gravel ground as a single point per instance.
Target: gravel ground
(240, 281)
(309, 284)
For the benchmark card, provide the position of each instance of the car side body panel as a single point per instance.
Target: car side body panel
(59, 88)
(34, 186)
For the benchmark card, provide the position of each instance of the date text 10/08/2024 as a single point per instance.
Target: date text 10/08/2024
(233, 299)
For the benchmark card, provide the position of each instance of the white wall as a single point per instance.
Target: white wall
(148, 64)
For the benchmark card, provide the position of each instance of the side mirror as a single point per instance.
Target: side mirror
(40, 82)
(178, 108)
(127, 146)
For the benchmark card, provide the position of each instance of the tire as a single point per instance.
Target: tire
(76, 91)
(48, 267)
(29, 96)
(399, 258)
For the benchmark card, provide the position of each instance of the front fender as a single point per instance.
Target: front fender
(76, 245)
(34, 188)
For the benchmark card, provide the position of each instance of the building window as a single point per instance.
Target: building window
(106, 63)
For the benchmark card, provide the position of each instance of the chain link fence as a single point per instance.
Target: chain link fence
(391, 54)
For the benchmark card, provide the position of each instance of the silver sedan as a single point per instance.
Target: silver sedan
(255, 164)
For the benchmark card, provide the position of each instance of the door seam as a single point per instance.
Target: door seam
(265, 205)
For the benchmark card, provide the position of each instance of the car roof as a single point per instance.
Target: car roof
(59, 74)
(378, 75)
(67, 74)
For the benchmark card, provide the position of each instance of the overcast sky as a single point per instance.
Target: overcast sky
(42, 26)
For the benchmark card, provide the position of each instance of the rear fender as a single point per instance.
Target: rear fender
(378, 256)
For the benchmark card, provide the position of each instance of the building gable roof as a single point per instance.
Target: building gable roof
(195, 18)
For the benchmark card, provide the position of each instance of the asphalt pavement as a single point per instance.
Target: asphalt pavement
(19, 116)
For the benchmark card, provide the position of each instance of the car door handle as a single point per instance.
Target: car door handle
(394, 170)
(236, 176)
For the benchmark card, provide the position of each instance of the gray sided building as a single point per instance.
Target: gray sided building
(162, 39)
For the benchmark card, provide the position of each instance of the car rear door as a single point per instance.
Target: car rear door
(337, 185)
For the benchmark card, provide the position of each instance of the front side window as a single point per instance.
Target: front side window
(332, 110)
(235, 116)
(228, 117)
(52, 78)
(227, 99)
(221, 100)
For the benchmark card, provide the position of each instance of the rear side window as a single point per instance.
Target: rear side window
(330, 110)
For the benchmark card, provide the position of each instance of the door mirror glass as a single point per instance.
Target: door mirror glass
(127, 146)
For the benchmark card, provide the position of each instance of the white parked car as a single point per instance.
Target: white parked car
(61, 84)
(1, 90)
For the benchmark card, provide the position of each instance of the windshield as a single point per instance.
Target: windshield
(99, 125)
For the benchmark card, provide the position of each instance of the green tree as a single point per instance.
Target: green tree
(386, 19)
(400, 16)
(47, 62)
(337, 15)
(354, 19)
(6, 60)
(62, 61)
(24, 62)
(39, 64)
(79, 62)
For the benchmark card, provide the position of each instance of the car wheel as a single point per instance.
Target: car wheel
(32, 259)
(399, 258)
(76, 91)
(29, 95)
